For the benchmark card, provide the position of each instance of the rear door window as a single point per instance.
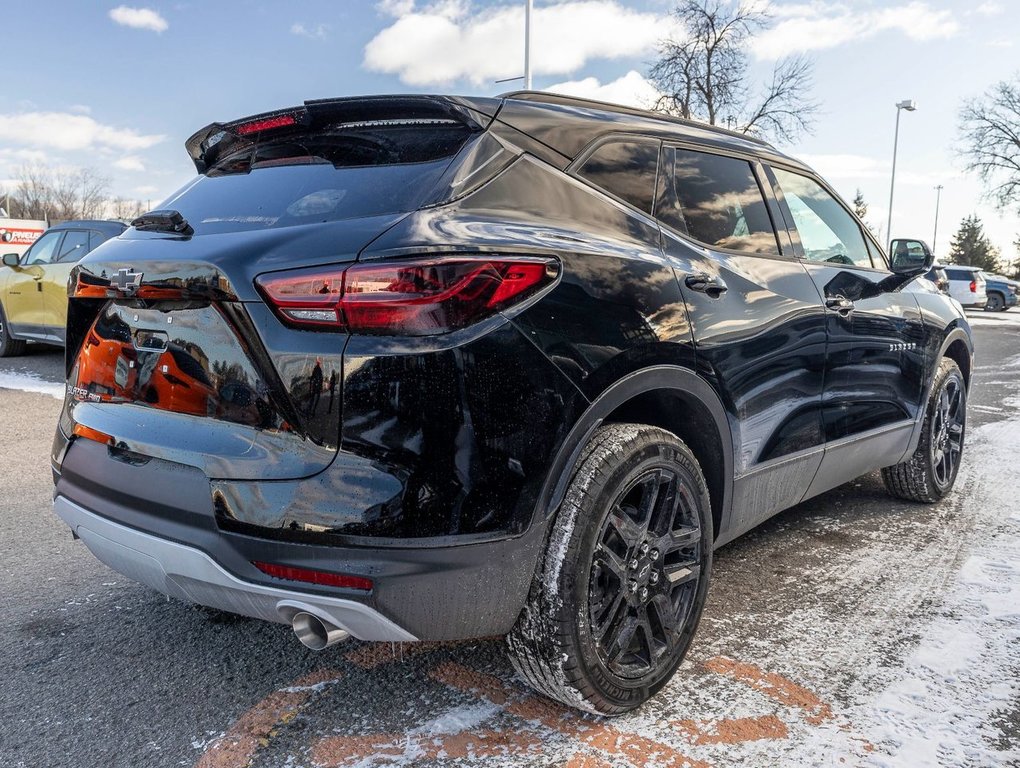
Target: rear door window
(625, 168)
(716, 200)
(74, 247)
(828, 231)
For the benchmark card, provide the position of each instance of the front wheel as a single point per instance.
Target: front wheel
(621, 588)
(995, 303)
(9, 347)
(931, 470)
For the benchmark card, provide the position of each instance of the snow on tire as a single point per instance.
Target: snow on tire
(931, 470)
(620, 590)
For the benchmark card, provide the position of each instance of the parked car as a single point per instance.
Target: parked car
(967, 286)
(1001, 292)
(937, 274)
(491, 366)
(33, 285)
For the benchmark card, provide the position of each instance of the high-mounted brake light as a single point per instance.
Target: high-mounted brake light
(406, 298)
(324, 578)
(266, 124)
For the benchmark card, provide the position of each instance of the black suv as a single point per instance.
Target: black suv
(424, 367)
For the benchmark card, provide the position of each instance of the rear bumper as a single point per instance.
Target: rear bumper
(191, 575)
(154, 521)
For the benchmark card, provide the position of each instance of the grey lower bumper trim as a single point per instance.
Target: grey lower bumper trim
(191, 575)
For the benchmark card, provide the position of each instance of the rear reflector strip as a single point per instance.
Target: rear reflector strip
(322, 578)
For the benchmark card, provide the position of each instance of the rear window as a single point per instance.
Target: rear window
(339, 173)
(961, 274)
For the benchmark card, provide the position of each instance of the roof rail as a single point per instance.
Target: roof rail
(544, 97)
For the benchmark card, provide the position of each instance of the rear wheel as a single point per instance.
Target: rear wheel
(9, 347)
(621, 588)
(931, 470)
(996, 302)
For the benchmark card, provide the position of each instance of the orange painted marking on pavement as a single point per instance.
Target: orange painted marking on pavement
(774, 686)
(586, 761)
(338, 751)
(238, 745)
(593, 733)
(732, 730)
(372, 655)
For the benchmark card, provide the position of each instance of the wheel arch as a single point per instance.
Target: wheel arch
(666, 396)
(958, 346)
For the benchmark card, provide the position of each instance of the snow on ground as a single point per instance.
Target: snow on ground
(961, 679)
(29, 382)
(1010, 317)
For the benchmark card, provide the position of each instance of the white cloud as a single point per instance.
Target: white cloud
(632, 90)
(146, 189)
(989, 9)
(395, 7)
(448, 40)
(81, 109)
(815, 26)
(139, 18)
(311, 31)
(860, 167)
(129, 163)
(66, 131)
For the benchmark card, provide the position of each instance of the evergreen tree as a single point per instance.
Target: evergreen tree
(971, 247)
(860, 207)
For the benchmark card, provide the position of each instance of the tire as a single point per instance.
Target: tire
(9, 347)
(996, 302)
(929, 474)
(629, 555)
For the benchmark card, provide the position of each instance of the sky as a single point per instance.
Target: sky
(120, 87)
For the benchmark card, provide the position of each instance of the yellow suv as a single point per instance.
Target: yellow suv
(33, 287)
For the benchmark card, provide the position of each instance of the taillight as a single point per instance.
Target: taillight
(324, 578)
(406, 298)
(973, 286)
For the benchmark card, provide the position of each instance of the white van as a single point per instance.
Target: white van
(17, 235)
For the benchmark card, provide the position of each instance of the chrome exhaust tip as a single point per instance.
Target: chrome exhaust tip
(315, 633)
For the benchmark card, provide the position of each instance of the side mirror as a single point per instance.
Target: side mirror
(911, 258)
(11, 259)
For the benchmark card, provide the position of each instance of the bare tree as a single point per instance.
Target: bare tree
(703, 75)
(54, 194)
(990, 133)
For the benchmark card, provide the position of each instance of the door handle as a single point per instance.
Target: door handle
(705, 283)
(840, 304)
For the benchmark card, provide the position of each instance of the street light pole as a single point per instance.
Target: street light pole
(527, 45)
(910, 106)
(935, 233)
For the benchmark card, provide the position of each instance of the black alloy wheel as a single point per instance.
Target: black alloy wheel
(645, 573)
(930, 471)
(947, 432)
(619, 593)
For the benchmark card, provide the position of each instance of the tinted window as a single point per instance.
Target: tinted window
(717, 200)
(960, 274)
(339, 173)
(96, 239)
(625, 169)
(74, 247)
(827, 230)
(44, 249)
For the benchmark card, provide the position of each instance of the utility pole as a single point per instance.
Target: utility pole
(938, 199)
(527, 45)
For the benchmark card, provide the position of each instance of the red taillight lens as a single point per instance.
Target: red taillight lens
(409, 298)
(309, 576)
(264, 125)
(973, 286)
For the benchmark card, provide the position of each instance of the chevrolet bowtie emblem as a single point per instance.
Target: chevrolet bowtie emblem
(126, 281)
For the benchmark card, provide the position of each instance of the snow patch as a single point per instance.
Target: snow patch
(29, 382)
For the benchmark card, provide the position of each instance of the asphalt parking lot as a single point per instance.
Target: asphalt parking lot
(850, 630)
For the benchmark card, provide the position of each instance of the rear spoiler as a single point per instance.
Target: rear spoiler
(220, 139)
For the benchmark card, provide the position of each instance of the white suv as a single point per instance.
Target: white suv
(967, 285)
